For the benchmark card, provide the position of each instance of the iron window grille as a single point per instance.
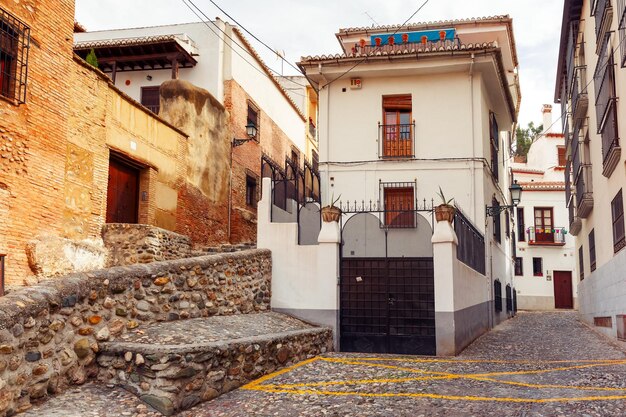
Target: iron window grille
(592, 250)
(581, 263)
(509, 299)
(497, 295)
(151, 99)
(497, 224)
(399, 204)
(538, 267)
(14, 48)
(494, 139)
(617, 212)
(520, 224)
(519, 266)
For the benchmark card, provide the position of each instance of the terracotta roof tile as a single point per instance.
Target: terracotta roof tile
(422, 25)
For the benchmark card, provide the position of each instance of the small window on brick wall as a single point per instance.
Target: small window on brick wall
(251, 191)
(14, 46)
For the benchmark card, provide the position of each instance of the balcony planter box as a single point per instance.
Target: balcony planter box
(444, 212)
(331, 214)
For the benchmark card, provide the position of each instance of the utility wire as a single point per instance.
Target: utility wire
(377, 48)
(253, 35)
(206, 20)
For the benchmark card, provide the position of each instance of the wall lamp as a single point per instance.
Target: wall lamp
(516, 196)
(250, 131)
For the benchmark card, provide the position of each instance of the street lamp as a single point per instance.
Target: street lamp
(516, 196)
(251, 131)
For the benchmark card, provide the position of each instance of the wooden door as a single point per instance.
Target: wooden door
(122, 193)
(563, 297)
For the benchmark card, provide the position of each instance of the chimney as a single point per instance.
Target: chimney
(547, 118)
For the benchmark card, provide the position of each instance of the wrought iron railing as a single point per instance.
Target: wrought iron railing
(471, 247)
(584, 192)
(546, 235)
(568, 183)
(397, 140)
(621, 9)
(571, 52)
(579, 92)
(609, 133)
(359, 49)
(604, 82)
(602, 14)
(14, 48)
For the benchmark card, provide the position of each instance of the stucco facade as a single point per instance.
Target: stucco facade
(590, 82)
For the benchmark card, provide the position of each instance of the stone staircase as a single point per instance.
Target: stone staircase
(173, 366)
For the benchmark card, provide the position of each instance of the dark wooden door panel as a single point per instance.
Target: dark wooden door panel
(122, 193)
(563, 297)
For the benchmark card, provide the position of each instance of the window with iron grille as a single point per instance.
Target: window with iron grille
(151, 99)
(14, 46)
(621, 13)
(253, 117)
(592, 250)
(519, 266)
(251, 191)
(399, 201)
(497, 295)
(521, 233)
(581, 263)
(507, 224)
(497, 223)
(494, 141)
(538, 267)
(509, 298)
(471, 247)
(617, 212)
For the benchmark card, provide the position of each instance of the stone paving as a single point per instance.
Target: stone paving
(535, 365)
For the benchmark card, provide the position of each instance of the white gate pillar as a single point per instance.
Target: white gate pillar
(444, 258)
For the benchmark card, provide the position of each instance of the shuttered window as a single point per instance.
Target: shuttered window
(617, 211)
(399, 207)
(397, 102)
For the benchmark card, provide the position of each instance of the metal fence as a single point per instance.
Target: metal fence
(471, 247)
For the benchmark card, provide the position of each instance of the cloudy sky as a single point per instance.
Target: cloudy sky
(307, 27)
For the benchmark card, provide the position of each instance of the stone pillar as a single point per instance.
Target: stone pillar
(444, 258)
(264, 213)
(329, 240)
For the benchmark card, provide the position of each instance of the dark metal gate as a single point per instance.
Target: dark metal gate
(387, 286)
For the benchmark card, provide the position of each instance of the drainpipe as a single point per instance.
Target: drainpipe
(472, 170)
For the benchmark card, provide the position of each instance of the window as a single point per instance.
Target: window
(519, 267)
(521, 233)
(507, 224)
(253, 117)
(617, 212)
(544, 225)
(250, 191)
(397, 128)
(494, 137)
(581, 263)
(14, 46)
(562, 160)
(295, 157)
(497, 295)
(538, 267)
(497, 226)
(399, 206)
(150, 99)
(592, 250)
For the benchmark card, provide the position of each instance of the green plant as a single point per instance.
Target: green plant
(92, 59)
(333, 199)
(444, 201)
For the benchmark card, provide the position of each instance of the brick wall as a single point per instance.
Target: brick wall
(33, 135)
(247, 158)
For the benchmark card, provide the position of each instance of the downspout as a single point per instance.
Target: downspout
(473, 173)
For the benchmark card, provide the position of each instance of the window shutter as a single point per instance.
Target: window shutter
(397, 102)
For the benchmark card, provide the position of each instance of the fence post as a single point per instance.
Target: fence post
(444, 242)
(328, 266)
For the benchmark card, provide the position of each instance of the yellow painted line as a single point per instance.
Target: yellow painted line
(442, 397)
(520, 362)
(277, 373)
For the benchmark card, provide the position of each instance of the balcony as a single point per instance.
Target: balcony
(611, 150)
(603, 13)
(584, 193)
(386, 48)
(580, 101)
(396, 140)
(538, 236)
(312, 130)
(575, 224)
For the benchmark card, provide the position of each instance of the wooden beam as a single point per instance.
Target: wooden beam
(131, 58)
(175, 69)
(114, 71)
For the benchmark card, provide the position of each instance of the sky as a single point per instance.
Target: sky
(301, 28)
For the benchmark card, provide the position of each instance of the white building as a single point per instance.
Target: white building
(545, 267)
(591, 81)
(404, 111)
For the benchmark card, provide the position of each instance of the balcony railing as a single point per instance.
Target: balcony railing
(580, 100)
(358, 49)
(568, 183)
(611, 150)
(621, 9)
(397, 140)
(584, 194)
(603, 13)
(546, 236)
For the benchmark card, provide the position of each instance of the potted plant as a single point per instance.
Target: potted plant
(362, 43)
(442, 35)
(405, 37)
(331, 213)
(378, 41)
(445, 210)
(391, 41)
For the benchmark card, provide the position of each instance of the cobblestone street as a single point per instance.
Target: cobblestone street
(537, 364)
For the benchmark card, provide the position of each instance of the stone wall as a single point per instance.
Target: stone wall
(130, 244)
(50, 333)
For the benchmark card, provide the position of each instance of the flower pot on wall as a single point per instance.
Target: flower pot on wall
(391, 40)
(362, 43)
(331, 214)
(442, 35)
(378, 41)
(405, 37)
(444, 212)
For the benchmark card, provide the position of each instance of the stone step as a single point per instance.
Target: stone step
(173, 366)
